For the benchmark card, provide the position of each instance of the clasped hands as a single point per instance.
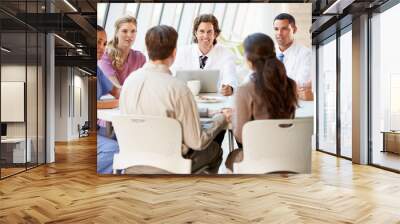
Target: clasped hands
(227, 112)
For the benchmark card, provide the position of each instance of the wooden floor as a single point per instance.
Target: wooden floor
(386, 159)
(70, 191)
(10, 171)
(5, 172)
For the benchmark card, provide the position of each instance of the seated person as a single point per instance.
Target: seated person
(269, 94)
(295, 57)
(106, 147)
(120, 60)
(170, 97)
(104, 86)
(206, 54)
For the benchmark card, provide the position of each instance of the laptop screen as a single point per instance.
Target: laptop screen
(209, 79)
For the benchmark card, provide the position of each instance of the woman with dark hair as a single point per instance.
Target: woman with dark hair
(270, 93)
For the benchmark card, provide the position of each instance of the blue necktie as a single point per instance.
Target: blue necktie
(281, 57)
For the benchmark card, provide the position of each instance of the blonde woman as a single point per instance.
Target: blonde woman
(120, 59)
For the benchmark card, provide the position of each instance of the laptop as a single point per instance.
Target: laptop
(209, 79)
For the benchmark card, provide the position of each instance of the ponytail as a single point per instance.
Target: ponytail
(275, 89)
(272, 86)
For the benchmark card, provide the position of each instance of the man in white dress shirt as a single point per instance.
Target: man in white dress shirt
(206, 54)
(297, 58)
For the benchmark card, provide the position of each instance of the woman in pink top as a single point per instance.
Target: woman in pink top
(120, 60)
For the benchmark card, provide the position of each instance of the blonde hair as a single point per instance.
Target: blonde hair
(114, 53)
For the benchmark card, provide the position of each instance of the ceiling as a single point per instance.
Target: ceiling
(332, 15)
(23, 21)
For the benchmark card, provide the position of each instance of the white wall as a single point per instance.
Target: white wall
(80, 110)
(61, 103)
(34, 125)
(71, 102)
(16, 73)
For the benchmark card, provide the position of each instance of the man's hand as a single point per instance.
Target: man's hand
(211, 112)
(305, 92)
(227, 112)
(226, 90)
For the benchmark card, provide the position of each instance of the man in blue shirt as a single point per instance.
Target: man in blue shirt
(106, 147)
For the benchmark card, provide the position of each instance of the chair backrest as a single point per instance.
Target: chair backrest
(276, 145)
(149, 141)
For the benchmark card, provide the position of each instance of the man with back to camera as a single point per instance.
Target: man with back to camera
(206, 54)
(295, 57)
(171, 97)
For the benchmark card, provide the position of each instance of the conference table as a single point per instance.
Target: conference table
(212, 101)
(306, 108)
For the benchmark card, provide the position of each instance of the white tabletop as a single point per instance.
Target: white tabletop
(107, 114)
(306, 108)
(223, 102)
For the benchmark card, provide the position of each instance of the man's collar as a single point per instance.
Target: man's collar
(199, 53)
(278, 50)
(157, 67)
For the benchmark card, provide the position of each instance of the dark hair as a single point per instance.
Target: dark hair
(287, 16)
(100, 28)
(206, 18)
(273, 87)
(161, 42)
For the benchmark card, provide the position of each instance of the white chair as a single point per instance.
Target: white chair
(275, 145)
(149, 141)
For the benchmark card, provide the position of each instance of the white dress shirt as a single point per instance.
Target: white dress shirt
(297, 60)
(219, 58)
(151, 90)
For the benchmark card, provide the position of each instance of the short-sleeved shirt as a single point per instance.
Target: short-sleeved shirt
(104, 85)
(135, 61)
